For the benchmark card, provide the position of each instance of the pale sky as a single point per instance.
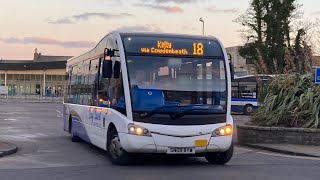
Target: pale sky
(72, 27)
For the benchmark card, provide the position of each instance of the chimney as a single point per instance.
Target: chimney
(36, 55)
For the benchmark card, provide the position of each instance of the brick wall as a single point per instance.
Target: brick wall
(278, 135)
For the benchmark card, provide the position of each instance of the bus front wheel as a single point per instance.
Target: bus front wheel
(74, 138)
(248, 109)
(116, 153)
(221, 157)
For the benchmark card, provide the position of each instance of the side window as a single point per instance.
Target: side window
(104, 92)
(85, 82)
(67, 91)
(80, 83)
(73, 85)
(104, 89)
(111, 90)
(118, 98)
(247, 89)
(88, 84)
(235, 90)
(94, 81)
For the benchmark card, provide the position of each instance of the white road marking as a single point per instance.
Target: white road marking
(59, 115)
(11, 158)
(10, 119)
(27, 136)
(245, 149)
(46, 151)
(242, 151)
(289, 156)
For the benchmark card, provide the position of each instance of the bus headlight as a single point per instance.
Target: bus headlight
(138, 130)
(223, 131)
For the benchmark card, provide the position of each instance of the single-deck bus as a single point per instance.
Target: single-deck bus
(245, 91)
(152, 93)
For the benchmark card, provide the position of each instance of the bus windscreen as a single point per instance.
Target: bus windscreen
(173, 46)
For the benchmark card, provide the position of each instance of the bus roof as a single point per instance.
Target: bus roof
(135, 33)
(165, 34)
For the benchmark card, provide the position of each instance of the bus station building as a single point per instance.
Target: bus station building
(43, 76)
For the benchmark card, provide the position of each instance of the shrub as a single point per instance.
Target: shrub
(290, 101)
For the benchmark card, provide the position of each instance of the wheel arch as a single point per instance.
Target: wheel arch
(111, 127)
(248, 104)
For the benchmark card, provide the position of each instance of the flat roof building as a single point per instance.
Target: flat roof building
(43, 76)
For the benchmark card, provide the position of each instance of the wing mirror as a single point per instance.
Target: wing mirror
(107, 69)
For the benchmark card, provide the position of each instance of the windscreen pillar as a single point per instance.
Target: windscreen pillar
(215, 79)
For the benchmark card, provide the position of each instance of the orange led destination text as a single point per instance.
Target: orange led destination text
(164, 47)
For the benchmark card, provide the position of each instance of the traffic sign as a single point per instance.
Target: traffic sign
(317, 75)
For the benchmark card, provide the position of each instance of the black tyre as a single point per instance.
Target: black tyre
(116, 153)
(221, 157)
(74, 138)
(248, 109)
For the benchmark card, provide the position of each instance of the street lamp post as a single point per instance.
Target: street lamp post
(201, 20)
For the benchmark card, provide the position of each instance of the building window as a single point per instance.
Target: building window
(2, 79)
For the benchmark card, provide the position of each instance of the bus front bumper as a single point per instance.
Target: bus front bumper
(163, 143)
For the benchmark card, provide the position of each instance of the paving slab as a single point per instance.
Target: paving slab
(7, 149)
(291, 149)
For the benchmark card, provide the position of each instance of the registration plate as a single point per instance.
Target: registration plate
(181, 150)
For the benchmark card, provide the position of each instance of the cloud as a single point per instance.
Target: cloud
(86, 16)
(60, 21)
(48, 41)
(214, 9)
(141, 28)
(188, 27)
(166, 8)
(316, 13)
(169, 6)
(175, 1)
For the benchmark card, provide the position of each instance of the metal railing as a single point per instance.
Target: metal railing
(31, 98)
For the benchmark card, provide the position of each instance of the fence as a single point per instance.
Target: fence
(48, 97)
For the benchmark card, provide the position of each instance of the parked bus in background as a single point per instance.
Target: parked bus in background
(152, 93)
(245, 91)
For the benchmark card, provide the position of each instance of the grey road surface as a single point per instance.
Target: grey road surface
(46, 153)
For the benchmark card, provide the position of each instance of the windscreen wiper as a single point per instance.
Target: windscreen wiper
(154, 111)
(181, 114)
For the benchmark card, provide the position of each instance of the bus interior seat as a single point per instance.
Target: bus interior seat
(147, 98)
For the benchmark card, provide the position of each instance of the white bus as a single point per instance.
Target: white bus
(245, 91)
(152, 93)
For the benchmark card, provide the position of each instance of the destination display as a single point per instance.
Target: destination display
(166, 47)
(172, 46)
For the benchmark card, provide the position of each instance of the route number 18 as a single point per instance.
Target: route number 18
(197, 49)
